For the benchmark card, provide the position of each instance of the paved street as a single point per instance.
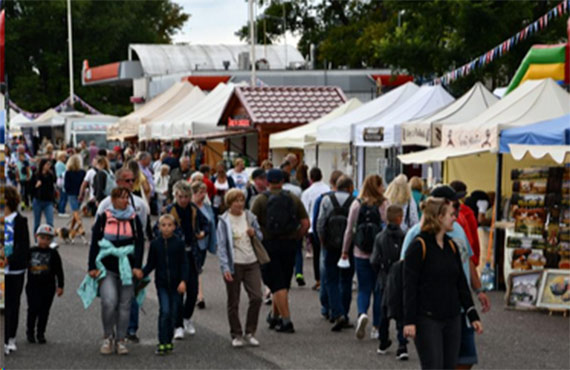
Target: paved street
(512, 339)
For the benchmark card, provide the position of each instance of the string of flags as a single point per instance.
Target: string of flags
(60, 107)
(503, 48)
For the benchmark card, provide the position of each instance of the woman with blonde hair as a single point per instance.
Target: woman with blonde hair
(366, 216)
(416, 187)
(435, 289)
(73, 179)
(399, 193)
(240, 265)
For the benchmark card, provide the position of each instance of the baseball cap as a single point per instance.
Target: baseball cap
(274, 176)
(45, 229)
(258, 172)
(459, 187)
(444, 191)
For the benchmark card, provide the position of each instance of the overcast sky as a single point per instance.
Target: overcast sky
(215, 22)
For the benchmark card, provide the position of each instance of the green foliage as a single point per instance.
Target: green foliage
(37, 54)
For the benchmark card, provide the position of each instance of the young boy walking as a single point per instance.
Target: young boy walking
(384, 260)
(45, 280)
(168, 257)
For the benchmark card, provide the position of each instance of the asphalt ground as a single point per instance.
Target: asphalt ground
(512, 339)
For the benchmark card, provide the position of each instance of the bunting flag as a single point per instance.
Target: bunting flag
(504, 47)
(59, 108)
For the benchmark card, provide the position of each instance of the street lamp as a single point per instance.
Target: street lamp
(400, 14)
(268, 16)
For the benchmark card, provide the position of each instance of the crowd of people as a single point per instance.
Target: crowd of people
(414, 250)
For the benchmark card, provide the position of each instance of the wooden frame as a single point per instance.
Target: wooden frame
(554, 290)
(520, 286)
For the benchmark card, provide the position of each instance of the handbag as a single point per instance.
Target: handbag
(259, 249)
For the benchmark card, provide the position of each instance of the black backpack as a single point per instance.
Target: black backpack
(336, 223)
(281, 214)
(368, 225)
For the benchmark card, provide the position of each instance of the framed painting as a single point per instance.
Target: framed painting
(555, 290)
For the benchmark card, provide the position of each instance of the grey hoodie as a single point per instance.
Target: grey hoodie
(226, 242)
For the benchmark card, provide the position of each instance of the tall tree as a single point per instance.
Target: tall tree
(36, 46)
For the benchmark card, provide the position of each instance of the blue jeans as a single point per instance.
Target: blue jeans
(323, 294)
(299, 258)
(367, 287)
(42, 206)
(168, 301)
(133, 318)
(332, 273)
(346, 276)
(62, 201)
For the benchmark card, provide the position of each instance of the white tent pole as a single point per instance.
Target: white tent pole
(70, 47)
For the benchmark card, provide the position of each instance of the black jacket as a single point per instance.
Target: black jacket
(168, 258)
(46, 191)
(18, 260)
(435, 285)
(111, 263)
(387, 247)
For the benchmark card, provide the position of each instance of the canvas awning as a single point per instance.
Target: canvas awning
(533, 101)
(301, 136)
(559, 153)
(551, 132)
(427, 131)
(386, 130)
(340, 129)
(222, 134)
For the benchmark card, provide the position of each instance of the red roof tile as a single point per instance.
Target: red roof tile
(289, 104)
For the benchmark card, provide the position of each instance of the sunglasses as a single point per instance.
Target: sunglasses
(129, 180)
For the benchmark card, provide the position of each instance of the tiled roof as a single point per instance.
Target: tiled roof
(289, 104)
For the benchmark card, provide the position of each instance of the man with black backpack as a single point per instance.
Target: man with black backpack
(331, 225)
(386, 254)
(284, 221)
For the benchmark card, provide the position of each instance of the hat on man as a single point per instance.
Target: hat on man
(274, 176)
(45, 229)
(258, 173)
(444, 191)
(460, 188)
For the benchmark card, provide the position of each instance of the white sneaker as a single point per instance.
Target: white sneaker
(237, 342)
(374, 334)
(12, 345)
(122, 347)
(179, 333)
(189, 327)
(361, 326)
(107, 346)
(64, 215)
(250, 339)
(6, 350)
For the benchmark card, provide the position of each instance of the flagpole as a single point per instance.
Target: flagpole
(252, 40)
(70, 51)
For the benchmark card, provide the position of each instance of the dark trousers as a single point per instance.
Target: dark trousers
(384, 329)
(25, 192)
(316, 244)
(169, 301)
(438, 342)
(186, 308)
(250, 276)
(331, 277)
(345, 280)
(14, 284)
(40, 297)
(299, 258)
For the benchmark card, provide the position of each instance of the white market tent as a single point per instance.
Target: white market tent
(387, 129)
(49, 118)
(16, 122)
(153, 128)
(128, 126)
(426, 131)
(339, 130)
(301, 136)
(203, 118)
(533, 101)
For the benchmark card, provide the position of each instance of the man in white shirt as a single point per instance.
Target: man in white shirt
(239, 175)
(309, 197)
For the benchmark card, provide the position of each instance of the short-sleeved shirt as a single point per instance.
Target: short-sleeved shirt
(90, 177)
(259, 208)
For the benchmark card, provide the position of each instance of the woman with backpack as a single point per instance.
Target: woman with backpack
(118, 237)
(366, 218)
(103, 180)
(398, 193)
(435, 289)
